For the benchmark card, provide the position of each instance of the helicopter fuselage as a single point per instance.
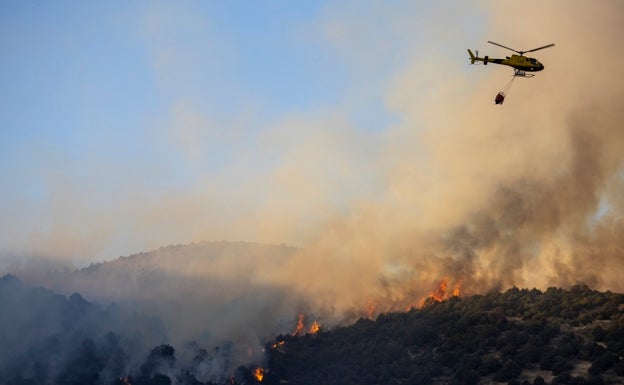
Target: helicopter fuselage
(518, 62)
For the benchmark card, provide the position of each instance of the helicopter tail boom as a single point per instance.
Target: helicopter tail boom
(473, 58)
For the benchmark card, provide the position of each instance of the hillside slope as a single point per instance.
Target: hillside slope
(154, 274)
(524, 336)
(215, 290)
(521, 336)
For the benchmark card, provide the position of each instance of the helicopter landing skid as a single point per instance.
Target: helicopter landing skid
(522, 74)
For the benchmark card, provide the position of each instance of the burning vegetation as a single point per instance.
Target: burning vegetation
(520, 336)
(258, 374)
(496, 336)
(299, 330)
(441, 293)
(370, 309)
(316, 326)
(278, 344)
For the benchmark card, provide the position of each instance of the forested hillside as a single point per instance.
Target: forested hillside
(573, 336)
(524, 336)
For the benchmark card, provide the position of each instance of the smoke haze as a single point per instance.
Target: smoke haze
(412, 175)
(527, 194)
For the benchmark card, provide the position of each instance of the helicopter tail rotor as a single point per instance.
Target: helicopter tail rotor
(473, 58)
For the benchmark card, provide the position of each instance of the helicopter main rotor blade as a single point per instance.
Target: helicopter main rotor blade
(500, 45)
(535, 49)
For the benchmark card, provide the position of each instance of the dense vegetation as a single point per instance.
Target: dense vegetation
(573, 336)
(517, 337)
(47, 338)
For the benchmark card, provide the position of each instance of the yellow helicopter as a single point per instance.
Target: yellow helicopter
(520, 63)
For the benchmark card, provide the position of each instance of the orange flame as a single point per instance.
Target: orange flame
(372, 306)
(299, 330)
(440, 293)
(278, 344)
(258, 374)
(300, 326)
(315, 327)
(457, 289)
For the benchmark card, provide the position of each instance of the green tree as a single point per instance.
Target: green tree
(509, 370)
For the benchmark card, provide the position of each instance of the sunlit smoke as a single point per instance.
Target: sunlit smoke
(455, 197)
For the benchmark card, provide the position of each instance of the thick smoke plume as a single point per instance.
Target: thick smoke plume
(529, 193)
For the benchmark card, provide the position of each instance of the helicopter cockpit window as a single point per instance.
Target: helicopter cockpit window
(533, 61)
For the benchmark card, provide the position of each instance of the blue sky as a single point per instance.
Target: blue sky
(93, 94)
(84, 78)
(126, 126)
